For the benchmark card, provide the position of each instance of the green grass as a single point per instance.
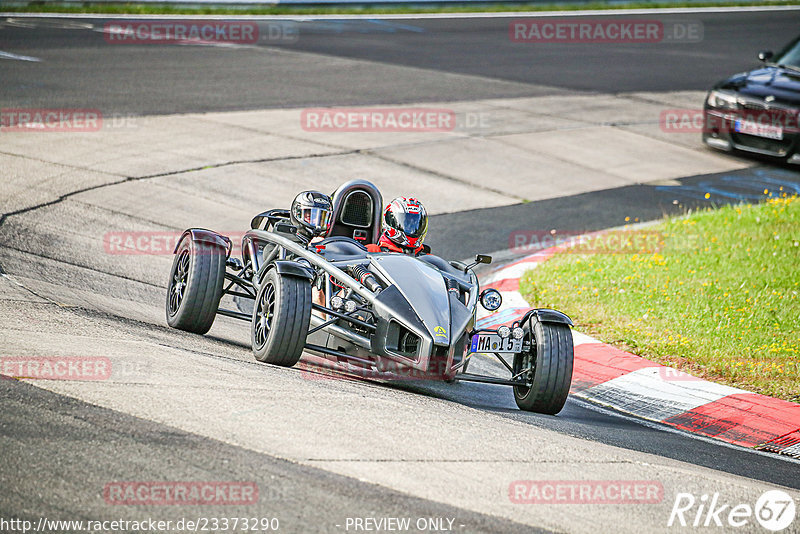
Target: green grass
(720, 299)
(272, 9)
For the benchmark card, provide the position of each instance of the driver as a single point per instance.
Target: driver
(405, 223)
(312, 214)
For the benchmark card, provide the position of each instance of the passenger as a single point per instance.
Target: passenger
(405, 223)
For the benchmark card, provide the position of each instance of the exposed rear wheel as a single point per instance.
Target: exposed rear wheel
(550, 361)
(280, 319)
(194, 288)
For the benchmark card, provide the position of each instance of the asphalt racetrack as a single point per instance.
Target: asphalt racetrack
(307, 71)
(322, 450)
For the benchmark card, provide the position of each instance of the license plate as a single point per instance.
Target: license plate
(495, 343)
(760, 130)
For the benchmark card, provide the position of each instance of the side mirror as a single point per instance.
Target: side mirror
(479, 258)
(765, 55)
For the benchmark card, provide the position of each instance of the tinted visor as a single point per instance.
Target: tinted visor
(411, 224)
(317, 218)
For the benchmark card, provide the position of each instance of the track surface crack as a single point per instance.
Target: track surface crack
(126, 179)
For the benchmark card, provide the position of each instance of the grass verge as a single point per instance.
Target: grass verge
(718, 297)
(272, 9)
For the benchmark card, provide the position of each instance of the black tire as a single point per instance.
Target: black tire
(280, 319)
(194, 288)
(552, 356)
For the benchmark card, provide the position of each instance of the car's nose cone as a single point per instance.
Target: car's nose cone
(423, 287)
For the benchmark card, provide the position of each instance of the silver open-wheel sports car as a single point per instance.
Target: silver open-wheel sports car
(389, 313)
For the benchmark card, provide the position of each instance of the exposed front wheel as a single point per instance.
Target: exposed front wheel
(194, 288)
(281, 317)
(550, 362)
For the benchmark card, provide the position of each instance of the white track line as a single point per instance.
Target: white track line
(651, 394)
(595, 407)
(9, 55)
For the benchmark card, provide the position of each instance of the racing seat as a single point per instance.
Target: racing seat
(357, 212)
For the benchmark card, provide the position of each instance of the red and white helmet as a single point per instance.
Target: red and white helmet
(405, 222)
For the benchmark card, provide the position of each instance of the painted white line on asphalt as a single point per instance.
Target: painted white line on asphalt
(512, 299)
(593, 406)
(9, 55)
(652, 394)
(58, 24)
(516, 268)
(421, 16)
(514, 271)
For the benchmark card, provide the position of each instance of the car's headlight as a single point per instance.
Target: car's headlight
(721, 100)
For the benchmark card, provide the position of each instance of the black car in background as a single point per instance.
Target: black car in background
(758, 111)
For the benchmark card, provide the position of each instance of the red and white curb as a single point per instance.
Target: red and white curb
(628, 383)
